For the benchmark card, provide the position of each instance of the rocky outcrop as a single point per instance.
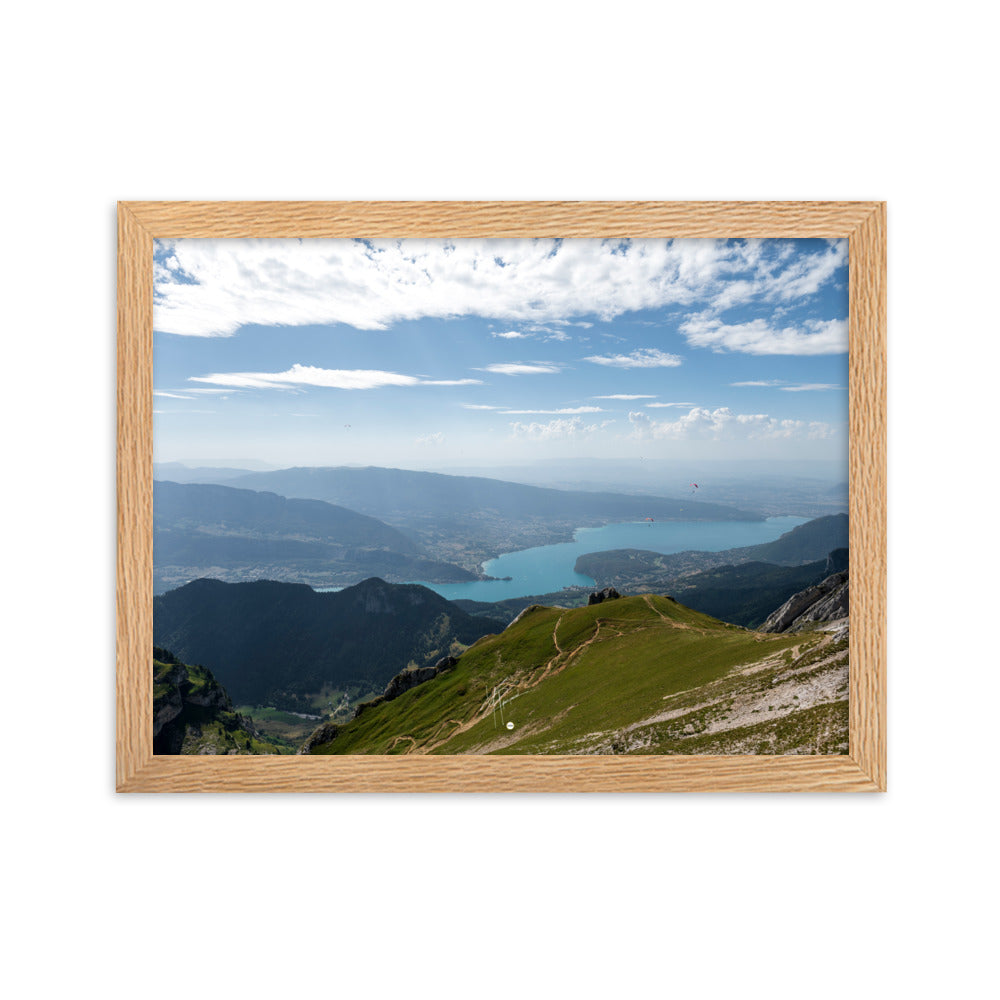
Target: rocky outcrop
(166, 709)
(192, 713)
(365, 705)
(416, 675)
(407, 679)
(600, 596)
(529, 610)
(837, 561)
(324, 734)
(828, 601)
(168, 702)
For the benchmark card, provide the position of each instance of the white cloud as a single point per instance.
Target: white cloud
(625, 395)
(724, 425)
(662, 406)
(554, 429)
(807, 275)
(788, 386)
(810, 387)
(567, 410)
(213, 287)
(521, 369)
(329, 378)
(480, 406)
(812, 337)
(170, 395)
(649, 357)
(433, 440)
(512, 335)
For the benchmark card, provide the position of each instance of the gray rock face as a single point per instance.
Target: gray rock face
(406, 680)
(600, 596)
(837, 561)
(411, 678)
(365, 705)
(403, 681)
(827, 601)
(530, 609)
(323, 734)
(167, 710)
(180, 694)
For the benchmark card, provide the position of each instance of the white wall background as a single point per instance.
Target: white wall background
(713, 896)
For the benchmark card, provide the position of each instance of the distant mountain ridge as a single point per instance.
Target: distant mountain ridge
(239, 535)
(380, 491)
(179, 472)
(639, 569)
(219, 508)
(280, 643)
(468, 519)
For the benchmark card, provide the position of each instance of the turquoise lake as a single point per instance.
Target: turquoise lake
(549, 568)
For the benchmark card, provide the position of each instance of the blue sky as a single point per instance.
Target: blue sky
(422, 354)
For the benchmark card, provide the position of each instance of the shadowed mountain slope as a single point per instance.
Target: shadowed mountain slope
(192, 714)
(280, 643)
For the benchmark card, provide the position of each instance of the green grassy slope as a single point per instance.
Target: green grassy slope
(636, 675)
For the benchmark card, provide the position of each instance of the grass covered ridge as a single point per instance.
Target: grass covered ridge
(640, 674)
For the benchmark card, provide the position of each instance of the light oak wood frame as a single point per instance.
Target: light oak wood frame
(862, 769)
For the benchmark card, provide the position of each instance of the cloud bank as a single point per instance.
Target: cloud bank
(574, 427)
(758, 336)
(207, 288)
(723, 425)
(328, 378)
(648, 357)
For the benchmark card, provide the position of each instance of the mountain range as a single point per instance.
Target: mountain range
(239, 535)
(282, 644)
(469, 519)
(639, 569)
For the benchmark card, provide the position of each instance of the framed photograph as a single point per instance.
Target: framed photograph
(501, 496)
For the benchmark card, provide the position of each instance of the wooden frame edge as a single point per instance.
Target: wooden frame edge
(862, 769)
(134, 476)
(527, 774)
(867, 464)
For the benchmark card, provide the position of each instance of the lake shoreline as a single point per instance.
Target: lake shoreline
(548, 569)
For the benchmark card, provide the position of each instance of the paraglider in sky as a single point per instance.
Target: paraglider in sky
(694, 487)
